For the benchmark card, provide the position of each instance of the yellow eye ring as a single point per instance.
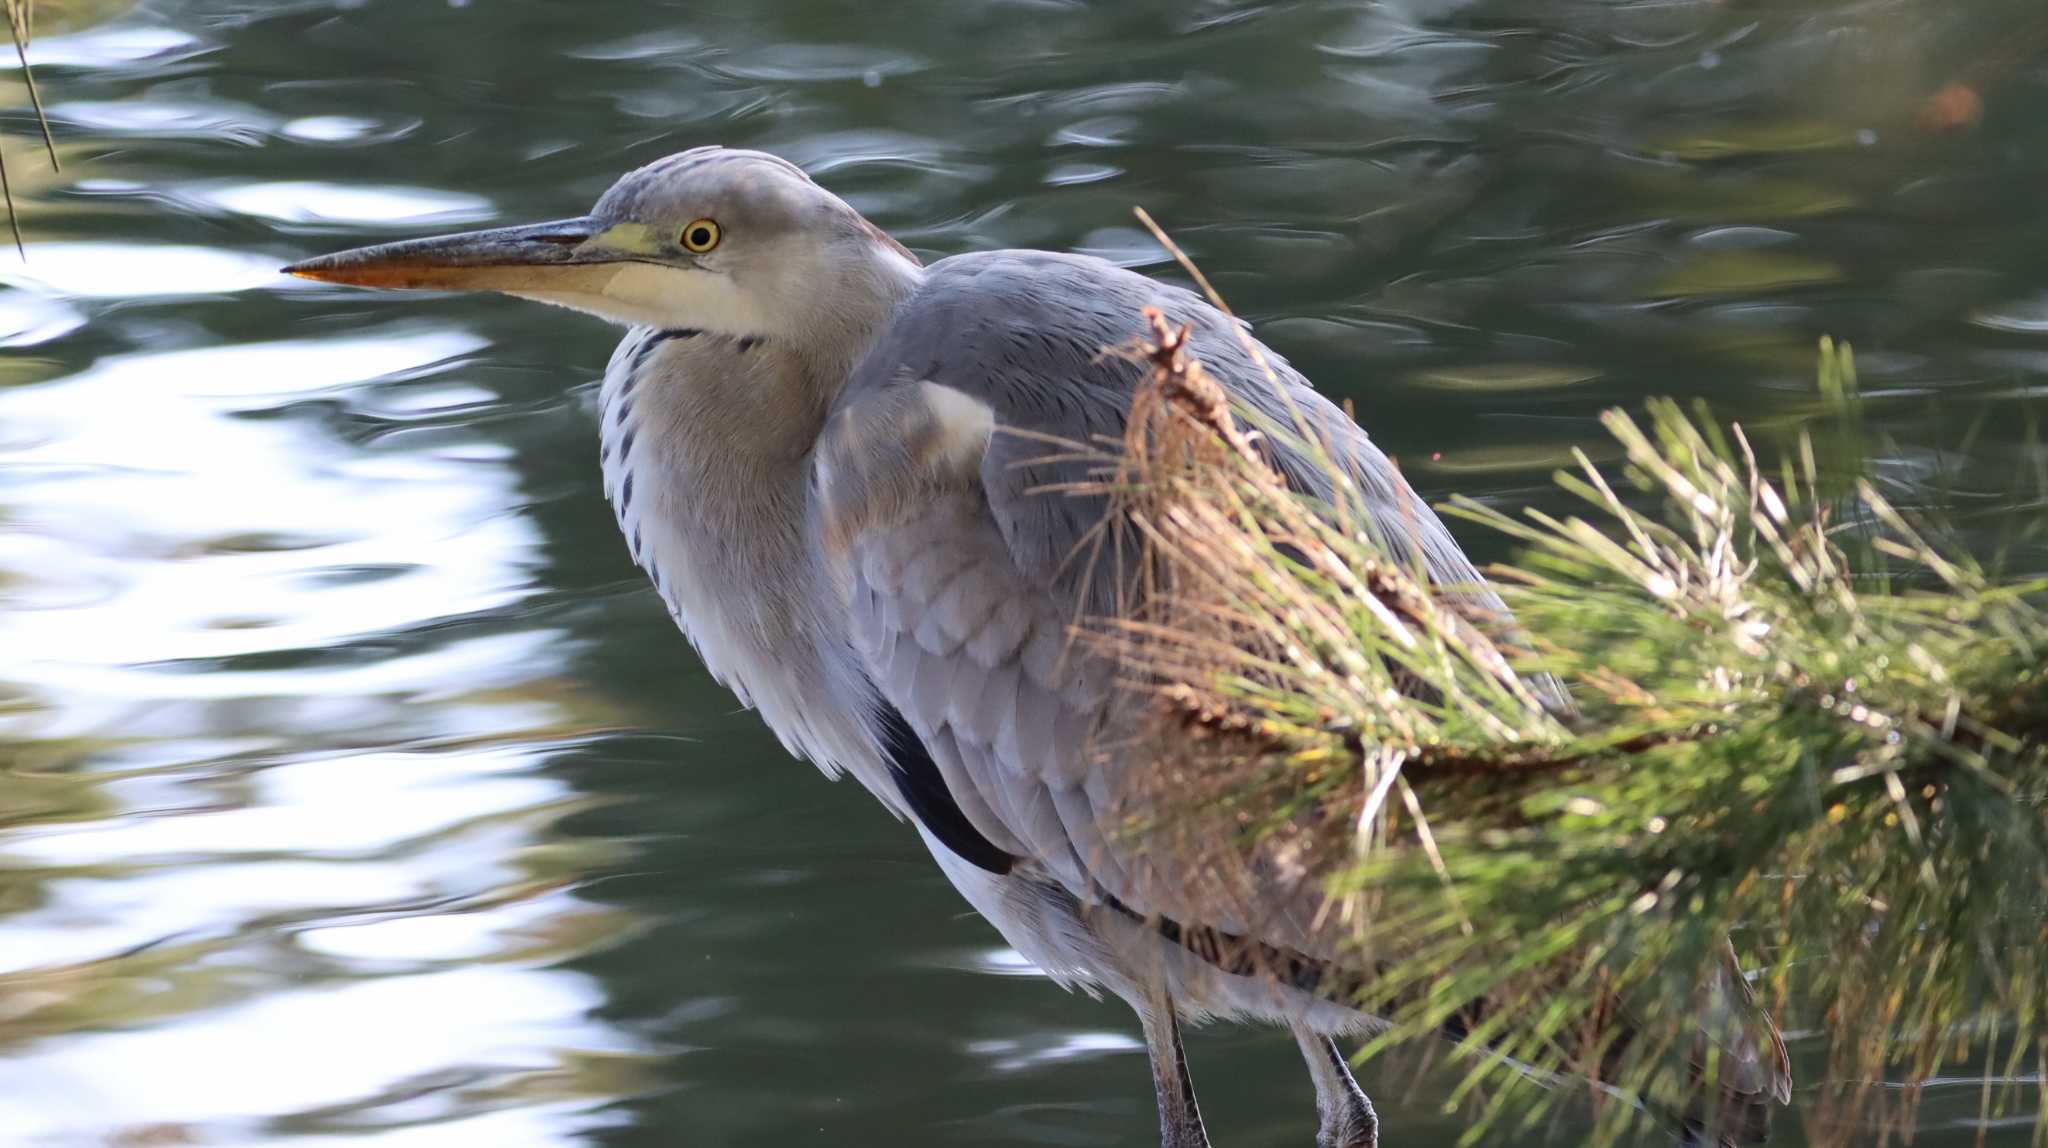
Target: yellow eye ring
(700, 236)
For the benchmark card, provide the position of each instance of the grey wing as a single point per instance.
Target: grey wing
(963, 567)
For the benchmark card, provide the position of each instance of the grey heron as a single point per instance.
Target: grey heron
(804, 440)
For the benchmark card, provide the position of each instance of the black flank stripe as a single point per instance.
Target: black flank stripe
(924, 790)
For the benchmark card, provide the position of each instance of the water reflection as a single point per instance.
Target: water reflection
(122, 271)
(281, 855)
(354, 790)
(308, 202)
(261, 816)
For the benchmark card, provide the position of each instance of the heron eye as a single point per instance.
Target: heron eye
(700, 236)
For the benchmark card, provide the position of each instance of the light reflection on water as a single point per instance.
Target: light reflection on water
(81, 270)
(353, 789)
(342, 848)
(308, 202)
(280, 861)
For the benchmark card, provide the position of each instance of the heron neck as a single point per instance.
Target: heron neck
(706, 454)
(857, 309)
(707, 450)
(715, 433)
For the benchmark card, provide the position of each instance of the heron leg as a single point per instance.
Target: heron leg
(1347, 1117)
(1180, 1121)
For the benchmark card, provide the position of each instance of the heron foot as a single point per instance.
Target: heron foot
(1352, 1125)
(1347, 1119)
(1354, 1128)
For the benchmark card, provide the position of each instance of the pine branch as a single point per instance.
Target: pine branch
(1832, 744)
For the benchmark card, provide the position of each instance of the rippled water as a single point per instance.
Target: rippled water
(355, 790)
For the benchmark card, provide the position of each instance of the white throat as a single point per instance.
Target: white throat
(635, 294)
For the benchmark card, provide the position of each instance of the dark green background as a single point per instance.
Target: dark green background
(357, 791)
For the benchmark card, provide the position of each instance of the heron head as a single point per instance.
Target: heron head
(715, 239)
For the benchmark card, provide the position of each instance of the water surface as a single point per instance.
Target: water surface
(355, 790)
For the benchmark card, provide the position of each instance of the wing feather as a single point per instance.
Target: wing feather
(958, 565)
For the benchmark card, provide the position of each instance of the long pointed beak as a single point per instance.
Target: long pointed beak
(502, 258)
